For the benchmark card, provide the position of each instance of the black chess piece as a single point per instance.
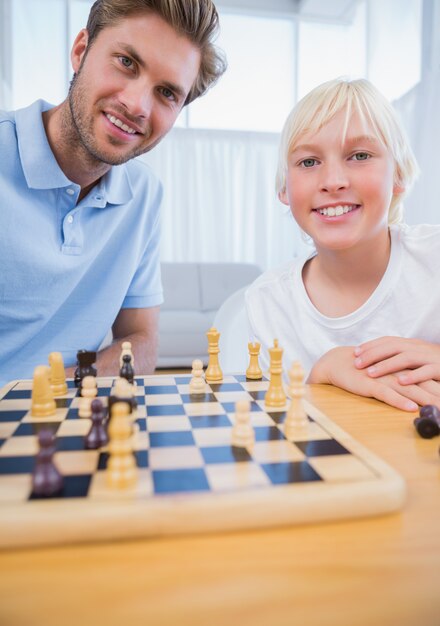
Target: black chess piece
(46, 479)
(127, 370)
(428, 424)
(97, 435)
(85, 360)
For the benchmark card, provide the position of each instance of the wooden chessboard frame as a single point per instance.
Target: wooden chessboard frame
(130, 514)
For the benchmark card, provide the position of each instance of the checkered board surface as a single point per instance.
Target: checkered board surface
(190, 477)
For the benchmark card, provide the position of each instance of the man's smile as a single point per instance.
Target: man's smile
(120, 124)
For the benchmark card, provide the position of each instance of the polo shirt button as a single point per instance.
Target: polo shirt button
(70, 219)
(70, 191)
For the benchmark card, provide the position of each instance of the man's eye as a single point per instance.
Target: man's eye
(308, 162)
(361, 156)
(126, 62)
(167, 93)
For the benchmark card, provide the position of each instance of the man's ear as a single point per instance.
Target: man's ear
(282, 195)
(79, 48)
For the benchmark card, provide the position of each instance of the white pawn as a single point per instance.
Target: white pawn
(121, 466)
(243, 434)
(85, 407)
(122, 388)
(296, 418)
(126, 349)
(89, 388)
(197, 383)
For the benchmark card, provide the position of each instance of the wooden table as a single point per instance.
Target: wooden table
(380, 571)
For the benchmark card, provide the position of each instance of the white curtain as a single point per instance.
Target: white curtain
(5, 46)
(219, 198)
(419, 110)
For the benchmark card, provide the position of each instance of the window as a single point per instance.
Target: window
(39, 53)
(330, 50)
(272, 60)
(258, 89)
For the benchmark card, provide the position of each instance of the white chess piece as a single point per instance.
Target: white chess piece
(197, 383)
(122, 388)
(296, 418)
(85, 407)
(243, 434)
(89, 387)
(126, 349)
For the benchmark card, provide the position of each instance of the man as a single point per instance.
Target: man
(79, 220)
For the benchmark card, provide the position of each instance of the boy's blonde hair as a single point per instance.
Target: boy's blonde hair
(320, 105)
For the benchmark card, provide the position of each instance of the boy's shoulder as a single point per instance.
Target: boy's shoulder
(281, 276)
(418, 236)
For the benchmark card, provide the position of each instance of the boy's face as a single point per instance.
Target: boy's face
(130, 86)
(340, 193)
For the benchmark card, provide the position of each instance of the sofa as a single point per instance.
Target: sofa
(193, 293)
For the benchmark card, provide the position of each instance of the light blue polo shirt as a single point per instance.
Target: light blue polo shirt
(66, 268)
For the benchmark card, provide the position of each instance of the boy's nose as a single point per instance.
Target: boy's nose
(333, 178)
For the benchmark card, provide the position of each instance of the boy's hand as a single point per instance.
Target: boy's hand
(423, 376)
(388, 355)
(336, 367)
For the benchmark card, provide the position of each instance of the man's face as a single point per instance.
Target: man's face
(130, 86)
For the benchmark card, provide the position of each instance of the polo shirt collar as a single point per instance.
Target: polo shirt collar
(41, 168)
(116, 185)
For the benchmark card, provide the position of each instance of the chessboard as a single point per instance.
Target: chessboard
(190, 478)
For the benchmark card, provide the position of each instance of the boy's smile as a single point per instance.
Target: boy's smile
(339, 189)
(336, 210)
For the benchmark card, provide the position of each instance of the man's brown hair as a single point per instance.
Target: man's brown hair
(196, 19)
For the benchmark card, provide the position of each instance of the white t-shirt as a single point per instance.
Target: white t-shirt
(406, 303)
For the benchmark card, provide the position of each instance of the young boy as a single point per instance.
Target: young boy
(361, 310)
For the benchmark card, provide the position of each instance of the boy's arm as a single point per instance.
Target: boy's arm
(388, 355)
(336, 367)
(140, 327)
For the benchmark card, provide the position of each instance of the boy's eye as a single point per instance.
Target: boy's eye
(308, 162)
(361, 156)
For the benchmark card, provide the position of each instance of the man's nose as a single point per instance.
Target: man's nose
(137, 97)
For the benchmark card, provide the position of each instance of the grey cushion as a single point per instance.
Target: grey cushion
(181, 287)
(193, 293)
(219, 280)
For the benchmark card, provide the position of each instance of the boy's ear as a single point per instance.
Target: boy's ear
(398, 187)
(282, 195)
(78, 49)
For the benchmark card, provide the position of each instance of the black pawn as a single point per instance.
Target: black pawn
(428, 424)
(85, 360)
(127, 370)
(46, 479)
(97, 435)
